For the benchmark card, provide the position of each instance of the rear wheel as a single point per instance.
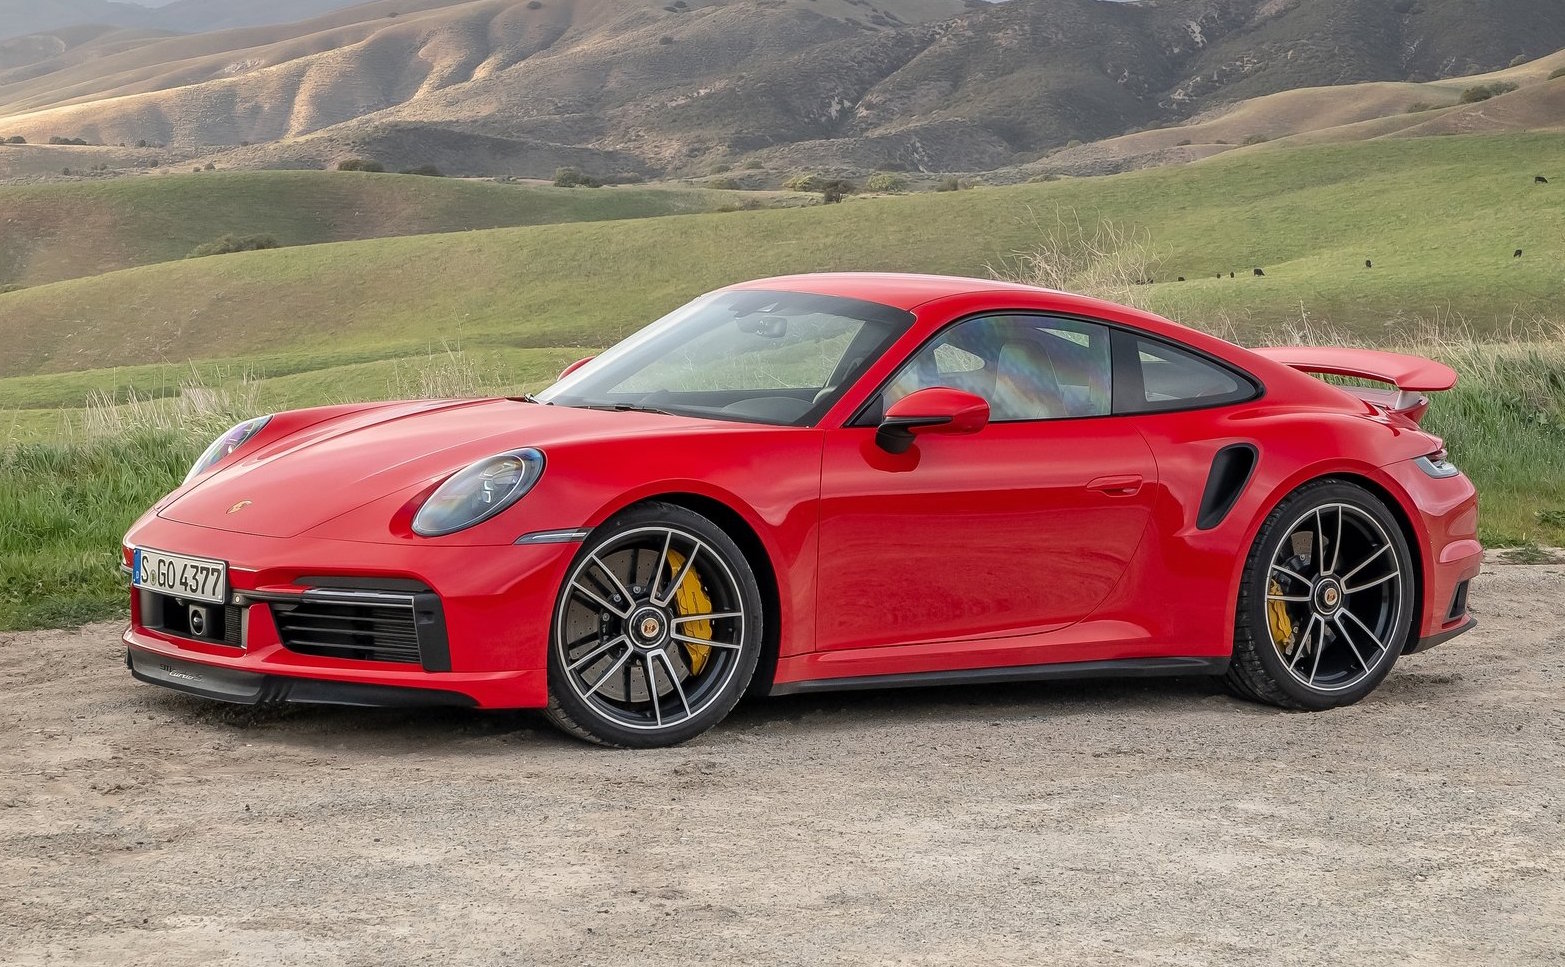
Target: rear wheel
(1326, 601)
(657, 630)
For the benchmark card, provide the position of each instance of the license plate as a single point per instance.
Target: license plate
(192, 578)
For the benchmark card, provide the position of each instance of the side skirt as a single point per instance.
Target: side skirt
(1118, 668)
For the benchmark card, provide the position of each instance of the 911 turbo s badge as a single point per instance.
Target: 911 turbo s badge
(239, 506)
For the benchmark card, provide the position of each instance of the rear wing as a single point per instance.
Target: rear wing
(1411, 375)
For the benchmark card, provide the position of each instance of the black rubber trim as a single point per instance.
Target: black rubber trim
(1424, 644)
(429, 621)
(1119, 668)
(253, 688)
(895, 434)
(1232, 468)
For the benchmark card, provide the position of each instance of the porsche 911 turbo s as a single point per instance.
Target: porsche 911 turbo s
(824, 482)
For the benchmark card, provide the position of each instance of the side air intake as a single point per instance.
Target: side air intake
(1231, 470)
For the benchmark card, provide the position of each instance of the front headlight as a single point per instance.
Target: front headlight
(224, 445)
(479, 492)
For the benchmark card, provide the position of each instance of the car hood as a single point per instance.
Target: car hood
(286, 484)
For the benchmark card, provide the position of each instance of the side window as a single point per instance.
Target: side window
(1027, 367)
(1173, 378)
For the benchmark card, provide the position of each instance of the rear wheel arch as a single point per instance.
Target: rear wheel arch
(1415, 544)
(739, 529)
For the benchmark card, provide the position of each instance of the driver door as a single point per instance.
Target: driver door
(1019, 529)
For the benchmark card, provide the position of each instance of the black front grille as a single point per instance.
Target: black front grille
(379, 628)
(221, 624)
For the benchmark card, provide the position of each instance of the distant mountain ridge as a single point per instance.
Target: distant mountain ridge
(19, 18)
(490, 87)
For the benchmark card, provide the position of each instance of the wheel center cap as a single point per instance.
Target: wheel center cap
(1328, 596)
(648, 627)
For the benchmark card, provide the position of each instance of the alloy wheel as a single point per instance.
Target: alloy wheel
(651, 627)
(1335, 597)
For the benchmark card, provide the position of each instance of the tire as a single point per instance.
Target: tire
(1326, 600)
(632, 662)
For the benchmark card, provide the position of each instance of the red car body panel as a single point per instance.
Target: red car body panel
(1023, 544)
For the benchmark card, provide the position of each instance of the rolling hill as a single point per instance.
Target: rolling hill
(1439, 217)
(514, 87)
(1346, 112)
(62, 231)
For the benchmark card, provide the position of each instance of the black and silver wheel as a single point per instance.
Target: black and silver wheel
(1326, 603)
(656, 632)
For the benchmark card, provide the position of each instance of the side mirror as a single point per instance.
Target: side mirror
(938, 409)
(573, 367)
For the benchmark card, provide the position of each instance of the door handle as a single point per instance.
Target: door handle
(1117, 485)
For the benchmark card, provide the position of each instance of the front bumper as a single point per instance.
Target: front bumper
(494, 605)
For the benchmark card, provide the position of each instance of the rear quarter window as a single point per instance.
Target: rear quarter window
(1156, 376)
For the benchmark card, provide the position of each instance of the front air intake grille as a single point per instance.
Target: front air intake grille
(366, 627)
(1458, 602)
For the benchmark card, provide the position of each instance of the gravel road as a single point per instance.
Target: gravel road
(1069, 823)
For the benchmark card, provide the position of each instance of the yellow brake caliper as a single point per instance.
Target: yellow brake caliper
(691, 598)
(1277, 618)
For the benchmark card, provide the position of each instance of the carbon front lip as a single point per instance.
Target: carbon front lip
(252, 688)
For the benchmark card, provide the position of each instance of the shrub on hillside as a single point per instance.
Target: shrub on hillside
(229, 244)
(951, 183)
(1257, 139)
(1482, 92)
(360, 164)
(1419, 107)
(59, 140)
(836, 190)
(1557, 72)
(569, 177)
(1518, 60)
(805, 182)
(11, 287)
(725, 184)
(428, 171)
(16, 139)
(886, 181)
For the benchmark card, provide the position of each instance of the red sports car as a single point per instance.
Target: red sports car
(823, 482)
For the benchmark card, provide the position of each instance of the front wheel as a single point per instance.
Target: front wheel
(1326, 600)
(657, 630)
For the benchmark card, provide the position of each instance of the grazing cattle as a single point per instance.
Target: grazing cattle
(1368, 264)
(1540, 180)
(1518, 254)
(1260, 271)
(1219, 275)
(1230, 275)
(1181, 278)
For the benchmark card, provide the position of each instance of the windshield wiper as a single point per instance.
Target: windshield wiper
(530, 398)
(623, 408)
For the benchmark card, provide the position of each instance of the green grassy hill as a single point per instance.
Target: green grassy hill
(1439, 217)
(61, 231)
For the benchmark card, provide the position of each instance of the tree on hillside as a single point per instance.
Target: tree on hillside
(228, 244)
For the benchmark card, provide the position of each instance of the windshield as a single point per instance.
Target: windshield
(752, 356)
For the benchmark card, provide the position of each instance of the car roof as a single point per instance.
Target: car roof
(896, 289)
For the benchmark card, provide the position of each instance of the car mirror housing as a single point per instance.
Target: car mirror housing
(938, 409)
(573, 367)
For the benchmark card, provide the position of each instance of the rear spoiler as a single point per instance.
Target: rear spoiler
(1411, 375)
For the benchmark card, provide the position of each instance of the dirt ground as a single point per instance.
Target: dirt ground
(1066, 823)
